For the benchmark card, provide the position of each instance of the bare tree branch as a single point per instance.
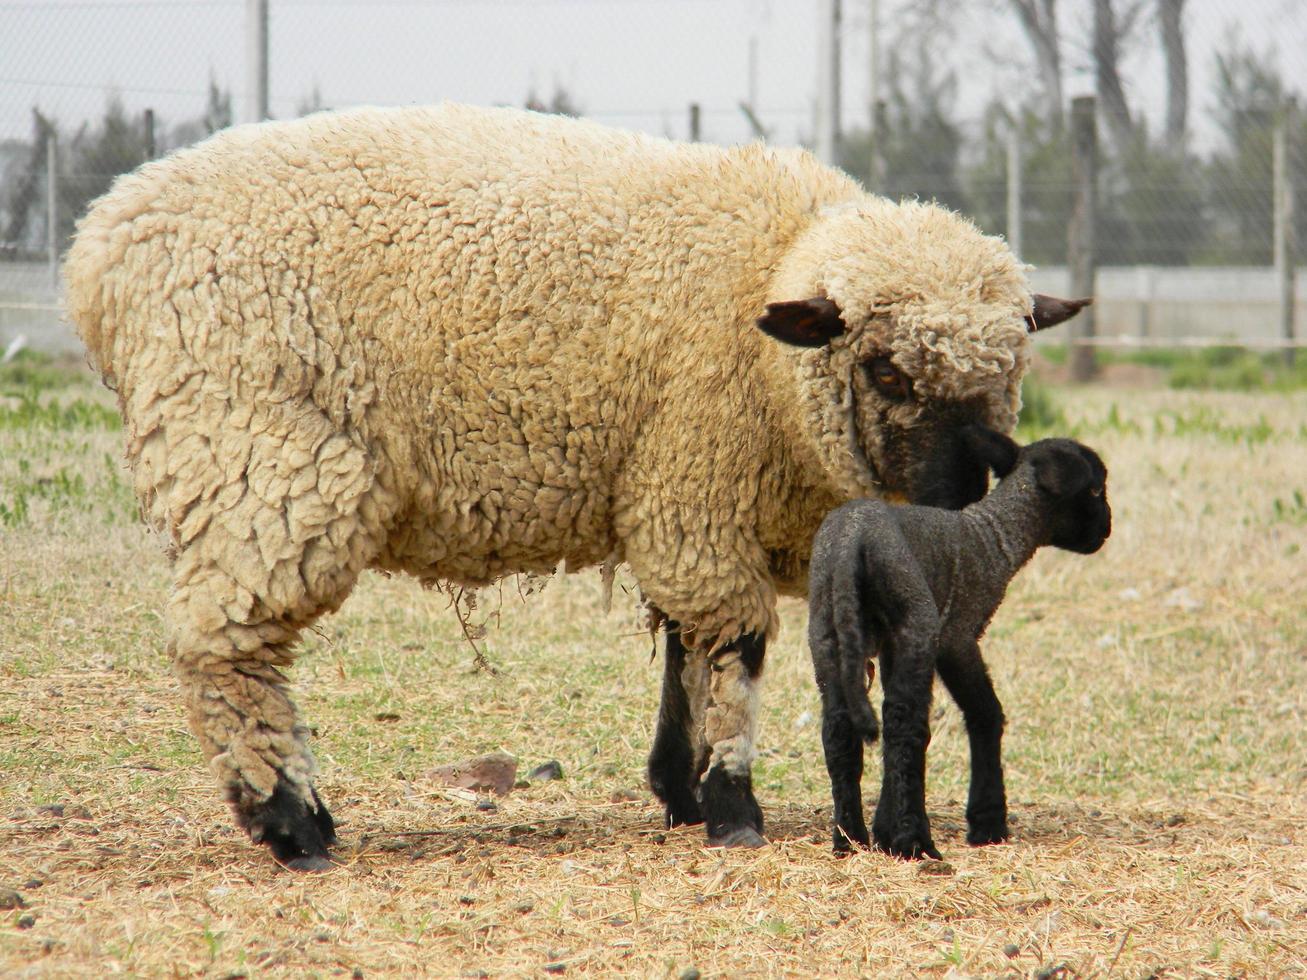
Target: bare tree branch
(1169, 16)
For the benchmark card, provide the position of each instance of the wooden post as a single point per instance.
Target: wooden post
(694, 122)
(1282, 195)
(149, 134)
(52, 206)
(1081, 258)
(1014, 192)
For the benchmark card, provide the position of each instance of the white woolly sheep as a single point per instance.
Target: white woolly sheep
(466, 342)
(917, 587)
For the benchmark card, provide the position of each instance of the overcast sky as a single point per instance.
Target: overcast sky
(636, 63)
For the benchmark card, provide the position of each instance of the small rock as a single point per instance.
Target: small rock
(26, 921)
(1175, 820)
(1129, 595)
(625, 796)
(546, 771)
(386, 716)
(51, 809)
(10, 899)
(476, 975)
(932, 867)
(1264, 919)
(32, 883)
(555, 967)
(689, 973)
(487, 806)
(660, 838)
(1011, 951)
(804, 720)
(357, 973)
(466, 900)
(1057, 972)
(495, 772)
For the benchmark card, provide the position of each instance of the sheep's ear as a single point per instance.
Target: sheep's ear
(1049, 311)
(994, 449)
(1062, 474)
(803, 322)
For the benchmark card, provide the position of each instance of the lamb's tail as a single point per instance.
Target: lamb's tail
(96, 287)
(856, 655)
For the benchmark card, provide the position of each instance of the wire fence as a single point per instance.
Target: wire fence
(961, 114)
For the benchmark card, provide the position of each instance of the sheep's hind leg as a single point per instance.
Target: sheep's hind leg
(842, 743)
(679, 755)
(730, 809)
(964, 675)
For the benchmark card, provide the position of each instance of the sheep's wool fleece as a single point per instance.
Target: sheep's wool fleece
(466, 342)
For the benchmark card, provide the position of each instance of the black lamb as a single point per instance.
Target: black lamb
(916, 587)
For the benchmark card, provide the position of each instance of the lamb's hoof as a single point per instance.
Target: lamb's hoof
(981, 836)
(909, 845)
(682, 814)
(738, 837)
(297, 835)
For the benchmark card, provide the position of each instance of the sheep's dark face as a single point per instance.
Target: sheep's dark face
(897, 416)
(1073, 482)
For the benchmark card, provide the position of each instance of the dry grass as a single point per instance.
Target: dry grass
(1156, 750)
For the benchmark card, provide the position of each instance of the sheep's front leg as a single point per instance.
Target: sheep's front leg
(679, 754)
(900, 826)
(963, 673)
(730, 809)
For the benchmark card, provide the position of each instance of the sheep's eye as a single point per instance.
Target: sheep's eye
(1096, 492)
(889, 380)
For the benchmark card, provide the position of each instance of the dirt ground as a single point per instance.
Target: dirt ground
(1156, 755)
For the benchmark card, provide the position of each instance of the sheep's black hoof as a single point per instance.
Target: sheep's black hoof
(843, 844)
(730, 810)
(297, 835)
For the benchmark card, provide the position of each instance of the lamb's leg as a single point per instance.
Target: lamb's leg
(963, 673)
(679, 755)
(900, 826)
(730, 809)
(840, 739)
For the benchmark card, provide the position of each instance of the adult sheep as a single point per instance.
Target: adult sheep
(466, 342)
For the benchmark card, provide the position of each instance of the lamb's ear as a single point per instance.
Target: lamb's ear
(1049, 311)
(1062, 474)
(994, 449)
(802, 322)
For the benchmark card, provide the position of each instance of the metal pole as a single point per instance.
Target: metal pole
(828, 82)
(1081, 256)
(149, 134)
(874, 175)
(256, 60)
(1014, 192)
(52, 206)
(694, 122)
(1282, 194)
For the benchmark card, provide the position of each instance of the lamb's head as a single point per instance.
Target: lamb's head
(904, 324)
(1072, 483)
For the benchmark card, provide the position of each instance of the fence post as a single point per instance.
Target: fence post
(256, 60)
(52, 206)
(828, 82)
(1014, 192)
(1081, 258)
(694, 122)
(149, 134)
(1282, 194)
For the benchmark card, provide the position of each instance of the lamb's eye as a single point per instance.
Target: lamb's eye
(1096, 492)
(889, 380)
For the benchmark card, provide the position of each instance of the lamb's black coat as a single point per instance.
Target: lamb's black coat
(917, 586)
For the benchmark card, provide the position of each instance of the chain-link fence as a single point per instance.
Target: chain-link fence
(970, 110)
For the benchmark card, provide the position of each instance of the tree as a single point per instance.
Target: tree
(560, 103)
(24, 204)
(920, 144)
(1039, 20)
(1110, 32)
(1169, 19)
